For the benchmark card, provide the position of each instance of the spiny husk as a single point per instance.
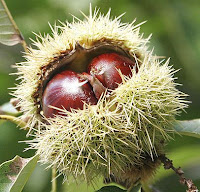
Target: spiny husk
(118, 133)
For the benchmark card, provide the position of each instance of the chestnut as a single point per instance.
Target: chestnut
(66, 90)
(105, 68)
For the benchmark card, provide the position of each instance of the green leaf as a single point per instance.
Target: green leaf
(110, 189)
(137, 188)
(9, 33)
(15, 173)
(113, 188)
(189, 128)
(83, 186)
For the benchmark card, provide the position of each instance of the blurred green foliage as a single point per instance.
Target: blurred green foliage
(175, 28)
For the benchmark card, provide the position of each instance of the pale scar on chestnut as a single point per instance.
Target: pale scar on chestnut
(99, 66)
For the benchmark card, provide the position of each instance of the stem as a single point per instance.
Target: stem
(24, 45)
(54, 180)
(15, 120)
(188, 182)
(22, 41)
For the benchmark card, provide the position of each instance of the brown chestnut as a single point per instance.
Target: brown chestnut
(66, 90)
(105, 68)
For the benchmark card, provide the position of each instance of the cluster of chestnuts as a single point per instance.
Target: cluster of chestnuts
(70, 90)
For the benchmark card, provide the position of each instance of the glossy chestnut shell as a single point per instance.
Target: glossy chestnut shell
(66, 90)
(105, 68)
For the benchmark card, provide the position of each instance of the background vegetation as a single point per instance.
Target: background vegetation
(176, 34)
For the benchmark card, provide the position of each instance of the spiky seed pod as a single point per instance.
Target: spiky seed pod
(122, 136)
